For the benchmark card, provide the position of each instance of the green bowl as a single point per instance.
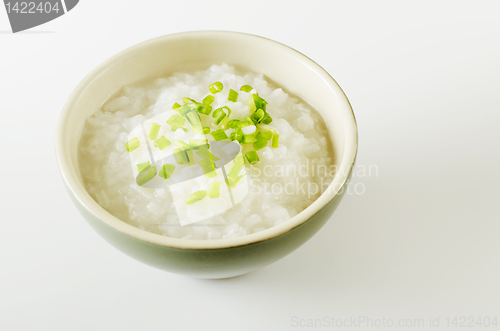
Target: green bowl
(187, 51)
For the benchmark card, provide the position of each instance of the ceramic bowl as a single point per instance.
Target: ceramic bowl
(282, 65)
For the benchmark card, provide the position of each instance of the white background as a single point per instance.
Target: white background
(422, 241)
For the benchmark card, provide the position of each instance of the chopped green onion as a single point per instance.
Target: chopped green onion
(190, 157)
(183, 110)
(260, 143)
(264, 134)
(205, 154)
(195, 197)
(197, 128)
(132, 144)
(146, 176)
(182, 145)
(206, 130)
(246, 88)
(153, 131)
(233, 181)
(219, 134)
(207, 165)
(141, 167)
(162, 143)
(233, 95)
(197, 143)
(236, 168)
(213, 190)
(219, 114)
(166, 171)
(258, 115)
(266, 119)
(237, 135)
(188, 101)
(176, 105)
(215, 87)
(252, 157)
(249, 138)
(219, 117)
(205, 110)
(276, 138)
(208, 100)
(259, 102)
(193, 118)
(180, 156)
(177, 122)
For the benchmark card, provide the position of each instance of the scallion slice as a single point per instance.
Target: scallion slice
(208, 100)
(132, 144)
(233, 95)
(162, 143)
(176, 122)
(260, 143)
(176, 105)
(219, 134)
(166, 171)
(246, 88)
(141, 167)
(206, 130)
(195, 197)
(249, 138)
(146, 176)
(215, 87)
(153, 131)
(252, 157)
(266, 119)
(276, 138)
(180, 156)
(264, 134)
(213, 190)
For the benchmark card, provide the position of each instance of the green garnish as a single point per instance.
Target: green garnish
(219, 134)
(252, 157)
(276, 138)
(259, 102)
(166, 171)
(162, 143)
(249, 138)
(206, 130)
(190, 156)
(215, 87)
(266, 119)
(132, 144)
(177, 122)
(176, 105)
(195, 197)
(233, 181)
(233, 95)
(237, 135)
(208, 167)
(260, 143)
(182, 145)
(197, 143)
(208, 100)
(188, 101)
(141, 167)
(180, 156)
(153, 131)
(146, 175)
(213, 190)
(264, 134)
(205, 154)
(220, 113)
(246, 88)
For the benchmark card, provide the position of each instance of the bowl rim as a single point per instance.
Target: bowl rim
(77, 189)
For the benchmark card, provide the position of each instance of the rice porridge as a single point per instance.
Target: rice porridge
(209, 154)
